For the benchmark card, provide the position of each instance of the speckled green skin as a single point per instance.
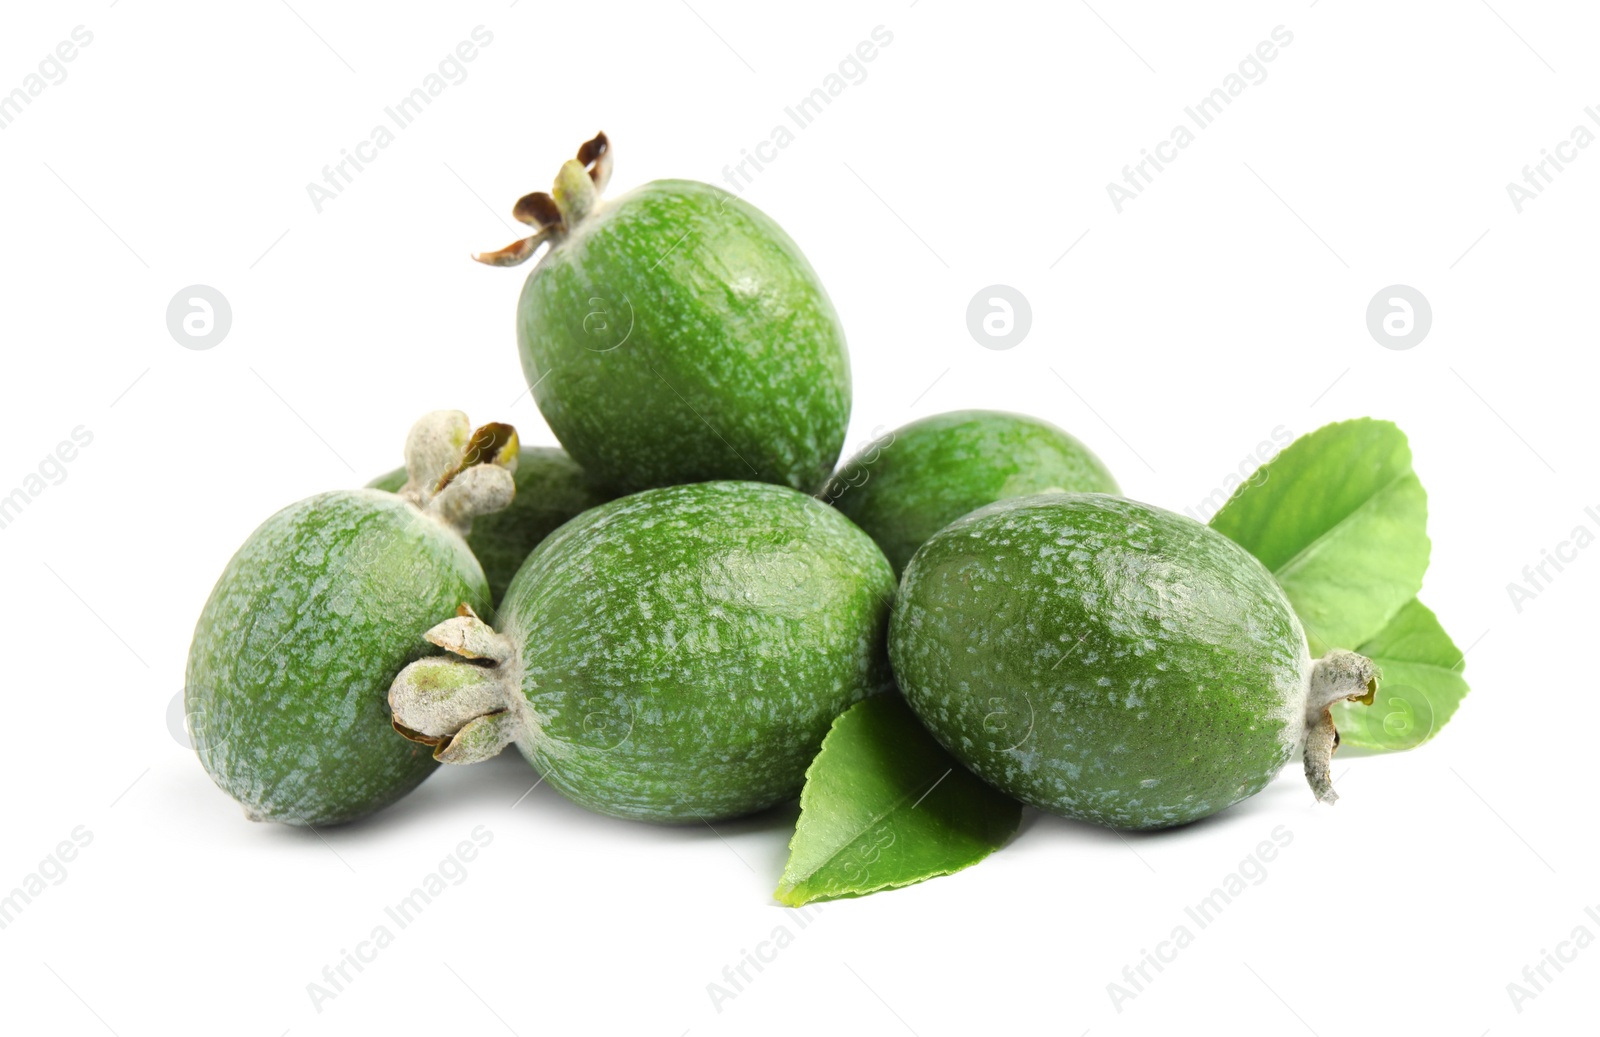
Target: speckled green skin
(1102, 659)
(685, 649)
(912, 482)
(733, 364)
(551, 489)
(289, 671)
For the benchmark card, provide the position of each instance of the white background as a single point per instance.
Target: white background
(1225, 301)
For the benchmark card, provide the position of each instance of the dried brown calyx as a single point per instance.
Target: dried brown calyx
(577, 190)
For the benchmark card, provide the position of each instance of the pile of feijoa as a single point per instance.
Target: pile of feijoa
(687, 613)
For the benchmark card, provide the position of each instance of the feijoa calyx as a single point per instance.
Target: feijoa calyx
(551, 489)
(1111, 661)
(676, 334)
(312, 618)
(676, 655)
(908, 484)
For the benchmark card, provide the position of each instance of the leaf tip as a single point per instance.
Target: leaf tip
(789, 895)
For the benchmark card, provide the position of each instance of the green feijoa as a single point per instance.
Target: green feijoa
(1112, 661)
(312, 618)
(910, 483)
(676, 334)
(676, 655)
(551, 489)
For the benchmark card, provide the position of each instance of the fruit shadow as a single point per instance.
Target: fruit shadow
(506, 789)
(1277, 800)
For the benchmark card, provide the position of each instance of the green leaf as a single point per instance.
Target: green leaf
(1418, 691)
(1341, 520)
(885, 806)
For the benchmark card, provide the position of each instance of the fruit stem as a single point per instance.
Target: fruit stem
(466, 710)
(578, 187)
(455, 474)
(1339, 676)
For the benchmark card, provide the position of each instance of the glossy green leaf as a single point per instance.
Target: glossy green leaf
(885, 806)
(1341, 520)
(1420, 687)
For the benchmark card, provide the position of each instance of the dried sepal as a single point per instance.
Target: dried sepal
(1339, 676)
(434, 447)
(466, 635)
(492, 444)
(480, 739)
(455, 474)
(578, 187)
(465, 710)
(595, 155)
(537, 210)
(516, 253)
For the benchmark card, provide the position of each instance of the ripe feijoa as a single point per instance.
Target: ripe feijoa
(675, 655)
(910, 483)
(551, 489)
(316, 613)
(676, 334)
(1111, 661)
